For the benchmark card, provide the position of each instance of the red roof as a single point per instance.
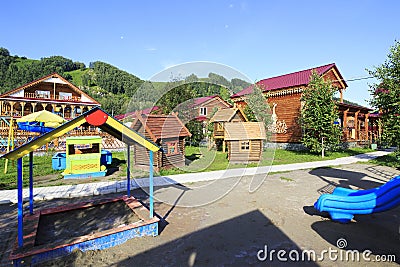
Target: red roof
(200, 100)
(132, 114)
(287, 80)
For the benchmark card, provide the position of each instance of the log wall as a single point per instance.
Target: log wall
(235, 154)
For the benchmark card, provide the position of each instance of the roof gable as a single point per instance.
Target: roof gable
(298, 78)
(226, 114)
(51, 78)
(162, 126)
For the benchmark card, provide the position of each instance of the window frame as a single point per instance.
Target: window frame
(203, 111)
(174, 145)
(245, 145)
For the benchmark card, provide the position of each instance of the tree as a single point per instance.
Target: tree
(318, 115)
(386, 95)
(257, 108)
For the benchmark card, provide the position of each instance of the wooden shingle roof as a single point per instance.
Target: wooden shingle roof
(244, 131)
(162, 126)
(226, 114)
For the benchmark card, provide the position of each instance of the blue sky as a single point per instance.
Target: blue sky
(261, 39)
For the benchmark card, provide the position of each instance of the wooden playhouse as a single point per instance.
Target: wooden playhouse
(219, 119)
(244, 141)
(28, 250)
(166, 131)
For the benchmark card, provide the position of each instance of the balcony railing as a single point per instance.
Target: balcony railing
(52, 97)
(17, 114)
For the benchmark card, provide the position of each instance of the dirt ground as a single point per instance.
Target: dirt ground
(222, 224)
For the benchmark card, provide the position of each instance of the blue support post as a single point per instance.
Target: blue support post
(151, 185)
(31, 182)
(128, 171)
(20, 205)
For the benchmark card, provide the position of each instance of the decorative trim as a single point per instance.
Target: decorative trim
(282, 92)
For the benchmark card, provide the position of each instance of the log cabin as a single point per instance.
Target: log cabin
(284, 93)
(168, 132)
(220, 118)
(244, 141)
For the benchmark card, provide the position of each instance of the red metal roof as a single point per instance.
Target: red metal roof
(288, 80)
(200, 100)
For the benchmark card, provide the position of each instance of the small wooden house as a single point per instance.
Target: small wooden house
(223, 116)
(244, 141)
(168, 132)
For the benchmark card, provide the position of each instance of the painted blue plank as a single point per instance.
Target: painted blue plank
(20, 204)
(100, 243)
(31, 182)
(151, 186)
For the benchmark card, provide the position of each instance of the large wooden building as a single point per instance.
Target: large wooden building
(168, 132)
(284, 97)
(52, 93)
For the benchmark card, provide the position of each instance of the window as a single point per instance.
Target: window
(220, 126)
(65, 96)
(172, 148)
(245, 145)
(203, 111)
(42, 94)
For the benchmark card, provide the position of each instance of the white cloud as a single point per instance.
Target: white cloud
(150, 49)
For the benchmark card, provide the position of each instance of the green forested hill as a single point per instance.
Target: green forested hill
(112, 87)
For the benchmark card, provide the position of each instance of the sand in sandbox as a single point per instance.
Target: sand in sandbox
(67, 225)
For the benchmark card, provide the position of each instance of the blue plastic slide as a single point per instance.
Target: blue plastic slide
(344, 203)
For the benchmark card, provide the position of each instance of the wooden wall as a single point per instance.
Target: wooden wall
(213, 103)
(288, 109)
(161, 159)
(235, 154)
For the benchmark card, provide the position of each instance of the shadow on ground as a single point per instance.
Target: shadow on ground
(378, 232)
(233, 242)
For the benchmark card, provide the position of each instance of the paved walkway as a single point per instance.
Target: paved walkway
(100, 188)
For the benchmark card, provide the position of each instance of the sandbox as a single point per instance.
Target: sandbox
(55, 232)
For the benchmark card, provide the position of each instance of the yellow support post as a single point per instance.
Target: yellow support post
(10, 139)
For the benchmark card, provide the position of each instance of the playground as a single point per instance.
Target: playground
(233, 229)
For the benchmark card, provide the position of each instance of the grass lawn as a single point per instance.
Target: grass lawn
(198, 160)
(391, 160)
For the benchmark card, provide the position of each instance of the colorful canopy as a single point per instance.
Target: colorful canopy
(49, 119)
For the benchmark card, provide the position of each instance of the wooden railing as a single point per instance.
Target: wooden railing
(52, 97)
(360, 135)
(17, 114)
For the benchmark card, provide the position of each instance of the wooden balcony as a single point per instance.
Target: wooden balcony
(52, 97)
